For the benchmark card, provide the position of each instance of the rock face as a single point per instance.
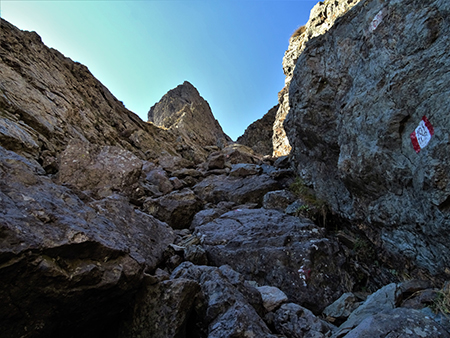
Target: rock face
(390, 323)
(215, 189)
(295, 321)
(322, 18)
(258, 135)
(65, 260)
(177, 208)
(184, 111)
(100, 169)
(47, 99)
(275, 249)
(356, 95)
(73, 250)
(162, 310)
(229, 303)
(86, 189)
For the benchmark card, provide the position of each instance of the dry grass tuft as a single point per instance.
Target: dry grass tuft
(299, 31)
(442, 300)
(314, 208)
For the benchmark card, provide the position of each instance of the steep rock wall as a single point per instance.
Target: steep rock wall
(322, 18)
(46, 100)
(72, 253)
(356, 95)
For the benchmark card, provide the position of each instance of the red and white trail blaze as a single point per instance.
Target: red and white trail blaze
(421, 136)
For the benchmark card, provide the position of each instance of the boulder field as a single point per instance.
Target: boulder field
(112, 226)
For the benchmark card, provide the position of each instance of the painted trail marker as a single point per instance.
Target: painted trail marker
(376, 21)
(422, 134)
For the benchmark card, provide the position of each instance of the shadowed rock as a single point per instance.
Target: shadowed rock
(227, 309)
(65, 261)
(216, 189)
(258, 135)
(275, 249)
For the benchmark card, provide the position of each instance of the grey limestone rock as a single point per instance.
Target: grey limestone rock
(272, 248)
(241, 190)
(48, 99)
(278, 199)
(226, 308)
(238, 153)
(398, 322)
(159, 178)
(342, 308)
(176, 208)
(103, 170)
(185, 112)
(68, 255)
(196, 254)
(245, 169)
(355, 100)
(384, 299)
(295, 321)
(162, 310)
(258, 135)
(216, 161)
(272, 297)
(322, 18)
(206, 216)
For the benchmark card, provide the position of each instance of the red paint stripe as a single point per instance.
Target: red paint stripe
(415, 142)
(428, 125)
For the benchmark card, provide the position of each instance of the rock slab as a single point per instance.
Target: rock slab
(272, 248)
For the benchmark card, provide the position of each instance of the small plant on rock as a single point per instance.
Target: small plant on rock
(442, 301)
(313, 207)
(299, 31)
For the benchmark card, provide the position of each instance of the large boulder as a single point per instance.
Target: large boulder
(272, 297)
(398, 322)
(241, 190)
(238, 153)
(207, 215)
(158, 178)
(162, 310)
(102, 170)
(384, 299)
(245, 169)
(275, 249)
(341, 309)
(357, 94)
(228, 308)
(295, 321)
(278, 199)
(68, 261)
(177, 208)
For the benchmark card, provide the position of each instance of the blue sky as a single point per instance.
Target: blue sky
(230, 50)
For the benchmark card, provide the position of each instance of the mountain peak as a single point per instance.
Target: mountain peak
(184, 110)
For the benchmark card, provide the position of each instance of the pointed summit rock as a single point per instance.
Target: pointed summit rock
(185, 112)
